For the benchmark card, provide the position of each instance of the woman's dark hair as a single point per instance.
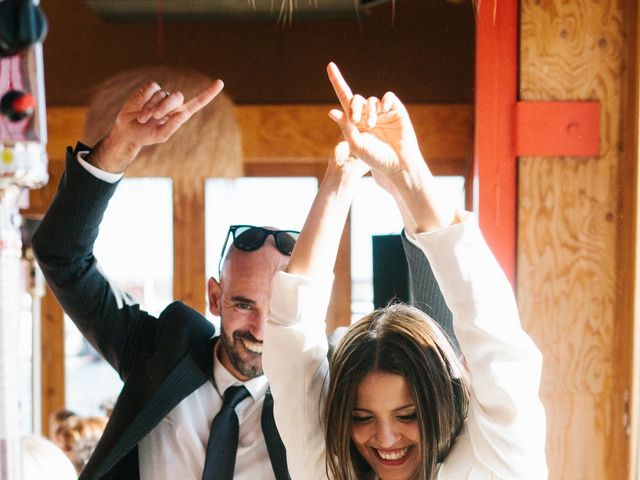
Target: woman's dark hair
(402, 340)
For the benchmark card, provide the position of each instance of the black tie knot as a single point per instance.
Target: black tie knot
(234, 395)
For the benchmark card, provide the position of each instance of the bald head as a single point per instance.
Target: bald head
(265, 260)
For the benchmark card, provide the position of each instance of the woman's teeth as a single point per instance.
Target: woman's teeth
(392, 454)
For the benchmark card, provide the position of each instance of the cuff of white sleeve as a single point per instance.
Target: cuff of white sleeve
(95, 171)
(461, 216)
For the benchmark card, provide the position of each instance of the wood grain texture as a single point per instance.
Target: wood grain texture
(628, 302)
(301, 131)
(568, 222)
(578, 419)
(295, 133)
(189, 278)
(52, 368)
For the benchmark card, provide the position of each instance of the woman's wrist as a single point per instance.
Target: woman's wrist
(416, 190)
(341, 180)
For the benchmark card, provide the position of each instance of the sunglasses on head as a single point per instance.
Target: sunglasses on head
(249, 238)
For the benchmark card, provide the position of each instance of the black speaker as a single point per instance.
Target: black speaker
(390, 271)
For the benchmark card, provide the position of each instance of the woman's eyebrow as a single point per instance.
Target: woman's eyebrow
(403, 407)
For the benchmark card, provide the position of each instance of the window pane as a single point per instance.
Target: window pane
(374, 212)
(135, 249)
(281, 202)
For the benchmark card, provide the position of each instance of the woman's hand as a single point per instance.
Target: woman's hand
(378, 131)
(344, 166)
(381, 134)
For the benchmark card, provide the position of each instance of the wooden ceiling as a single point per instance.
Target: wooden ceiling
(424, 53)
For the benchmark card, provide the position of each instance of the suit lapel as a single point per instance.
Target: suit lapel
(189, 374)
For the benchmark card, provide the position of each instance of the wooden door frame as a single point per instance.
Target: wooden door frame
(496, 197)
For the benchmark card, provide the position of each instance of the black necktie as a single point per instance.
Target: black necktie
(275, 447)
(223, 438)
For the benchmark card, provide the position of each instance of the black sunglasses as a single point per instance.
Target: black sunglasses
(249, 238)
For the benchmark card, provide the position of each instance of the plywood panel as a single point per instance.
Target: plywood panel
(583, 423)
(628, 302)
(567, 239)
(294, 131)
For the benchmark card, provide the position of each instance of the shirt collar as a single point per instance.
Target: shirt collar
(223, 379)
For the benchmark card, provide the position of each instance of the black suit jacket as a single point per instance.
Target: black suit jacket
(161, 360)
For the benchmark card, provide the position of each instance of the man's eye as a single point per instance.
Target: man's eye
(360, 419)
(244, 306)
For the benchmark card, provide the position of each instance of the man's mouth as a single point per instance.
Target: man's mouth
(253, 347)
(392, 457)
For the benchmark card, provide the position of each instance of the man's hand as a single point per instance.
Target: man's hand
(149, 116)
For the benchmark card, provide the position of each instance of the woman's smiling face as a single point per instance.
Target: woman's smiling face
(385, 427)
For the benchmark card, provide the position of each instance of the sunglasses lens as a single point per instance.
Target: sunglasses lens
(285, 241)
(249, 238)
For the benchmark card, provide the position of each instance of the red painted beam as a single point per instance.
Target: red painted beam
(495, 166)
(558, 129)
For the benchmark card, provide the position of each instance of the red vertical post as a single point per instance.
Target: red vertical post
(495, 163)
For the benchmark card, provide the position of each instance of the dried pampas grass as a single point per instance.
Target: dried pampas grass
(208, 145)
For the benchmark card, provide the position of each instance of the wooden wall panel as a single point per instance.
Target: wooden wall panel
(290, 132)
(52, 368)
(295, 131)
(629, 229)
(568, 219)
(189, 278)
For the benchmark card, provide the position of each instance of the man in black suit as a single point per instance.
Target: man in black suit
(175, 371)
(160, 424)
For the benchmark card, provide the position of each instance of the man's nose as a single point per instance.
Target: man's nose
(258, 323)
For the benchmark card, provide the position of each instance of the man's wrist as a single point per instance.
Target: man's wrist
(113, 154)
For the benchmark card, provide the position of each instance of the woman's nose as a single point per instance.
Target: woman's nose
(386, 434)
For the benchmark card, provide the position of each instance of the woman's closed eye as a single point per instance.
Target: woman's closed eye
(361, 418)
(408, 417)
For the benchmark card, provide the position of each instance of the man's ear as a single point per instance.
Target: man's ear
(214, 293)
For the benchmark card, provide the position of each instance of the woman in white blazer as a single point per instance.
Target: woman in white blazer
(395, 401)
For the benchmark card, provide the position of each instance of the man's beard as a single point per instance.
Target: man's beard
(247, 363)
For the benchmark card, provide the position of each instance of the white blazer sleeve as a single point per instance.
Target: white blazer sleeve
(295, 362)
(504, 435)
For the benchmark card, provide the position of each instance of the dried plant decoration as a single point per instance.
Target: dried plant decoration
(208, 145)
(287, 8)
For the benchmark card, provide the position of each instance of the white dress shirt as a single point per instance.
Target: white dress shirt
(503, 436)
(177, 446)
